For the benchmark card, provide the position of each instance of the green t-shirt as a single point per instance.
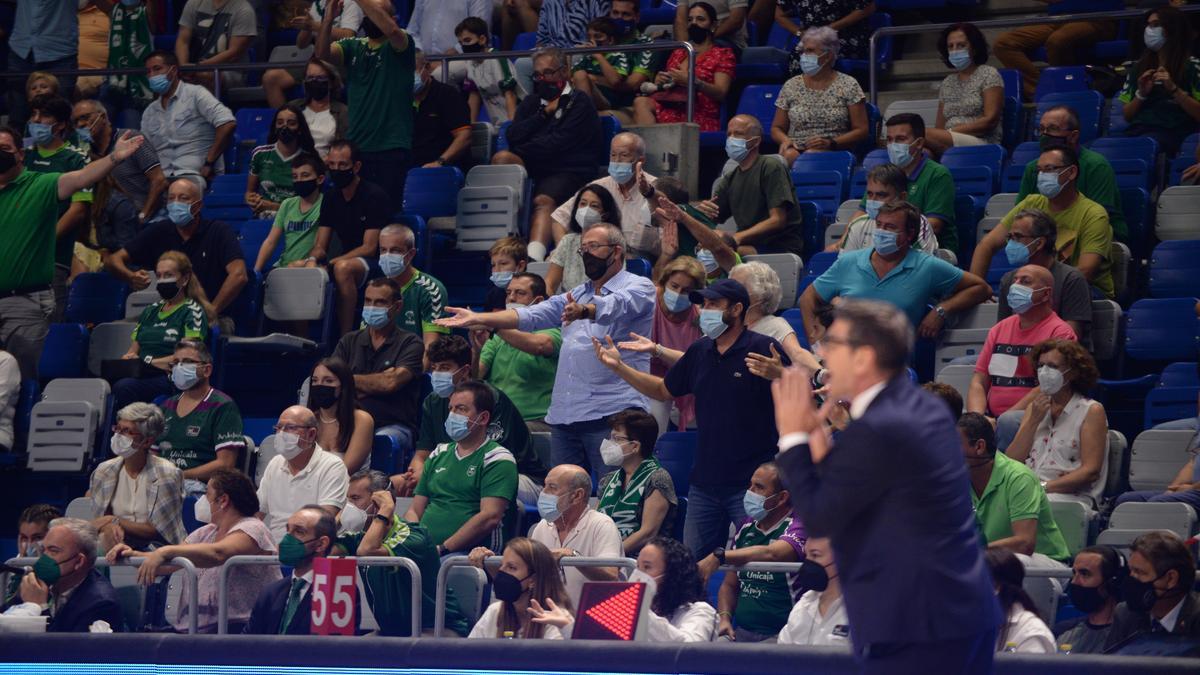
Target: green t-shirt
(299, 229)
(455, 486)
(687, 242)
(528, 379)
(1014, 493)
(1083, 227)
(1097, 182)
(28, 216)
(63, 160)
(424, 300)
(192, 441)
(389, 589)
(274, 173)
(129, 43)
(647, 63)
(750, 195)
(1160, 110)
(157, 332)
(506, 428)
(764, 598)
(378, 94)
(618, 60)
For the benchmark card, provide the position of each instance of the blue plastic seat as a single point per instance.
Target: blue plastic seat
(609, 127)
(975, 181)
(676, 451)
(1022, 155)
(525, 42)
(874, 123)
(258, 428)
(1013, 120)
(95, 297)
(998, 268)
(814, 267)
(252, 236)
(1175, 269)
(883, 55)
(1136, 205)
(244, 310)
(874, 158)
(1179, 374)
(759, 100)
(819, 194)
(638, 266)
(968, 210)
(1161, 329)
(253, 126)
(1117, 124)
(1164, 404)
(385, 454)
(228, 184)
(839, 161)
(64, 353)
(1123, 152)
(1061, 79)
(858, 184)
(432, 193)
(1087, 104)
(990, 156)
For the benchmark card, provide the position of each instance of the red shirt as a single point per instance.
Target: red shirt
(1004, 358)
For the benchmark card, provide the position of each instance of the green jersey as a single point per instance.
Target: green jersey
(528, 379)
(506, 428)
(129, 43)
(1014, 493)
(380, 100)
(764, 598)
(193, 440)
(455, 485)
(299, 229)
(274, 172)
(28, 215)
(65, 159)
(389, 589)
(158, 329)
(424, 300)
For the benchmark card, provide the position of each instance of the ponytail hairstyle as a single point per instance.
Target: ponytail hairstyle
(193, 290)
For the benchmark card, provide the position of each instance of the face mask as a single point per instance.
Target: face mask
(960, 58)
(640, 577)
(1048, 142)
(885, 242)
(674, 302)
(515, 305)
(286, 135)
(47, 570)
(1050, 380)
(42, 133)
(353, 519)
(167, 289)
(1016, 252)
(375, 317)
(288, 444)
(707, 259)
(322, 395)
(33, 549)
(548, 90)
(392, 264)
(586, 216)
(317, 89)
(471, 49)
(506, 587)
(443, 383)
(812, 576)
(712, 323)
(623, 26)
(1154, 38)
(84, 135)
(203, 510)
(737, 148)
(899, 154)
(122, 446)
(1085, 599)
(159, 84)
(594, 266)
(810, 64)
(457, 426)
(698, 34)
(622, 172)
(873, 206)
(501, 279)
(184, 376)
(1140, 596)
(548, 507)
(7, 161)
(304, 188)
(292, 551)
(418, 83)
(341, 177)
(1048, 185)
(1020, 298)
(755, 505)
(611, 452)
(179, 213)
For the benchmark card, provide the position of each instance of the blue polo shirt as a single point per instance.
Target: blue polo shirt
(735, 415)
(919, 280)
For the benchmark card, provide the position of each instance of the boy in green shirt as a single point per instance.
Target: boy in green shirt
(298, 218)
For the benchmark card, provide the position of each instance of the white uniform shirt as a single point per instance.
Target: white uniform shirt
(485, 627)
(806, 627)
(1028, 632)
(693, 622)
(323, 481)
(594, 536)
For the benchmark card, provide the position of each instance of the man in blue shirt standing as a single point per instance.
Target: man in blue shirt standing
(45, 36)
(613, 303)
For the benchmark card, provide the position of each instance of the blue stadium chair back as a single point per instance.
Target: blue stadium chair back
(759, 100)
(815, 267)
(840, 161)
(466, 277)
(421, 233)
(502, 135)
(1178, 166)
(432, 193)
(1087, 104)
(858, 183)
(638, 266)
(228, 183)
(780, 38)
(244, 310)
(1117, 124)
(1175, 269)
(609, 127)
(998, 268)
(95, 297)
(654, 13)
(975, 181)
(525, 42)
(385, 454)
(1161, 329)
(258, 428)
(874, 124)
(189, 514)
(968, 211)
(64, 353)
(1022, 155)
(676, 451)
(795, 319)
(874, 158)
(1179, 374)
(1011, 77)
(1131, 173)
(166, 42)
(823, 188)
(1011, 121)
(990, 156)
(680, 517)
(253, 126)
(1164, 404)
(716, 139)
(252, 236)
(1124, 153)
(1061, 79)
(231, 214)
(883, 55)
(1136, 205)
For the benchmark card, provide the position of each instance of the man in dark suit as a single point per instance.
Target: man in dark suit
(285, 607)
(1157, 591)
(65, 585)
(890, 493)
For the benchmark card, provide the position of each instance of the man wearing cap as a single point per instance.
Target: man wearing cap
(734, 414)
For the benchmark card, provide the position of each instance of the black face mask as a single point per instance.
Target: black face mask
(7, 161)
(370, 29)
(1048, 142)
(322, 395)
(341, 177)
(1140, 596)
(472, 49)
(813, 576)
(506, 587)
(316, 89)
(594, 267)
(286, 136)
(1085, 599)
(698, 34)
(304, 188)
(548, 90)
(167, 289)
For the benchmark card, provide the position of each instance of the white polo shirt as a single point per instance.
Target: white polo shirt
(323, 482)
(806, 627)
(594, 536)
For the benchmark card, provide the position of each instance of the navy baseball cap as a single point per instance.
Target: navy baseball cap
(722, 288)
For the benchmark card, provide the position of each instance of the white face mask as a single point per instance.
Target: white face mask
(1050, 380)
(203, 510)
(611, 452)
(353, 519)
(638, 576)
(122, 446)
(288, 445)
(586, 216)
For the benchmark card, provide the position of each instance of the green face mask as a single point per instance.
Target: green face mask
(47, 570)
(292, 551)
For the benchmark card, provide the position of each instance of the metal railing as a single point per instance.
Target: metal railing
(183, 564)
(885, 31)
(439, 616)
(364, 561)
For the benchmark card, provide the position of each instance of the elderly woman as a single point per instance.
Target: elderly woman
(640, 495)
(821, 109)
(228, 508)
(1063, 435)
(137, 497)
(762, 283)
(971, 100)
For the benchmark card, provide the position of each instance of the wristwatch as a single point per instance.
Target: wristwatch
(941, 312)
(719, 554)
(383, 519)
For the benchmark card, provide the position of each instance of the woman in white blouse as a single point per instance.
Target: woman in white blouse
(1024, 631)
(819, 618)
(527, 571)
(1063, 435)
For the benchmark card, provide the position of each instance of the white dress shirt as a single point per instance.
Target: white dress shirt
(1172, 617)
(485, 627)
(806, 627)
(1028, 632)
(693, 622)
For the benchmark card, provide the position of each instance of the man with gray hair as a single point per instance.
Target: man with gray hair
(300, 473)
(64, 585)
(1031, 240)
(422, 297)
(612, 304)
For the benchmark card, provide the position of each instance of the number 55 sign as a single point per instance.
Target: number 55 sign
(333, 596)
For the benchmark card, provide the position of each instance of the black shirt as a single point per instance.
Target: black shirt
(401, 349)
(735, 414)
(439, 115)
(569, 140)
(368, 209)
(212, 247)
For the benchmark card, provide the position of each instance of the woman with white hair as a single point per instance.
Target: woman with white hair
(820, 109)
(137, 497)
(762, 283)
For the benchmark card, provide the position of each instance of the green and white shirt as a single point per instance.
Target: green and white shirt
(424, 300)
(765, 599)
(193, 440)
(274, 172)
(455, 485)
(299, 229)
(157, 330)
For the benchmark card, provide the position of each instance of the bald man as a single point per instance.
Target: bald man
(757, 193)
(141, 179)
(300, 473)
(1005, 381)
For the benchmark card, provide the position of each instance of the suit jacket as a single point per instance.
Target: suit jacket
(93, 599)
(1127, 623)
(893, 495)
(268, 611)
(164, 494)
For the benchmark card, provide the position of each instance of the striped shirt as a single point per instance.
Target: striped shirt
(563, 23)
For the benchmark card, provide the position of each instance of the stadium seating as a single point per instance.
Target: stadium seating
(990, 156)
(432, 193)
(1178, 214)
(1160, 330)
(1175, 269)
(1060, 80)
(676, 451)
(95, 297)
(64, 354)
(1156, 457)
(108, 341)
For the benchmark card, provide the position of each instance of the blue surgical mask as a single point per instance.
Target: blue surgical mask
(622, 172)
(375, 317)
(960, 58)
(707, 259)
(1020, 298)
(159, 84)
(184, 376)
(418, 83)
(674, 302)
(712, 323)
(392, 264)
(1048, 185)
(84, 135)
(737, 148)
(899, 154)
(873, 207)
(179, 213)
(1154, 38)
(885, 242)
(443, 382)
(755, 505)
(548, 506)
(810, 64)
(502, 279)
(457, 426)
(42, 134)
(1016, 252)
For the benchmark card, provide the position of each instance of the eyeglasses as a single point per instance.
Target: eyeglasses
(588, 248)
(1017, 236)
(290, 428)
(618, 439)
(118, 430)
(830, 340)
(1052, 169)
(189, 362)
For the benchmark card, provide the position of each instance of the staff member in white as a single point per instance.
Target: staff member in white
(819, 619)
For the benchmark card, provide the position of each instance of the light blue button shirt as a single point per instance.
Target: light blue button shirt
(584, 389)
(183, 133)
(919, 279)
(433, 22)
(47, 29)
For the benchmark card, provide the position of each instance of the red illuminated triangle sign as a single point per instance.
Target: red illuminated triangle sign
(619, 613)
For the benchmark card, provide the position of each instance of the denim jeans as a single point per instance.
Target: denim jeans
(579, 443)
(1007, 425)
(709, 513)
(1189, 497)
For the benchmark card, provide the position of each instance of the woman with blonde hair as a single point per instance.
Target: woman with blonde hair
(528, 578)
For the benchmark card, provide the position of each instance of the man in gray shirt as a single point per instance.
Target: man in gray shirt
(216, 31)
(141, 177)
